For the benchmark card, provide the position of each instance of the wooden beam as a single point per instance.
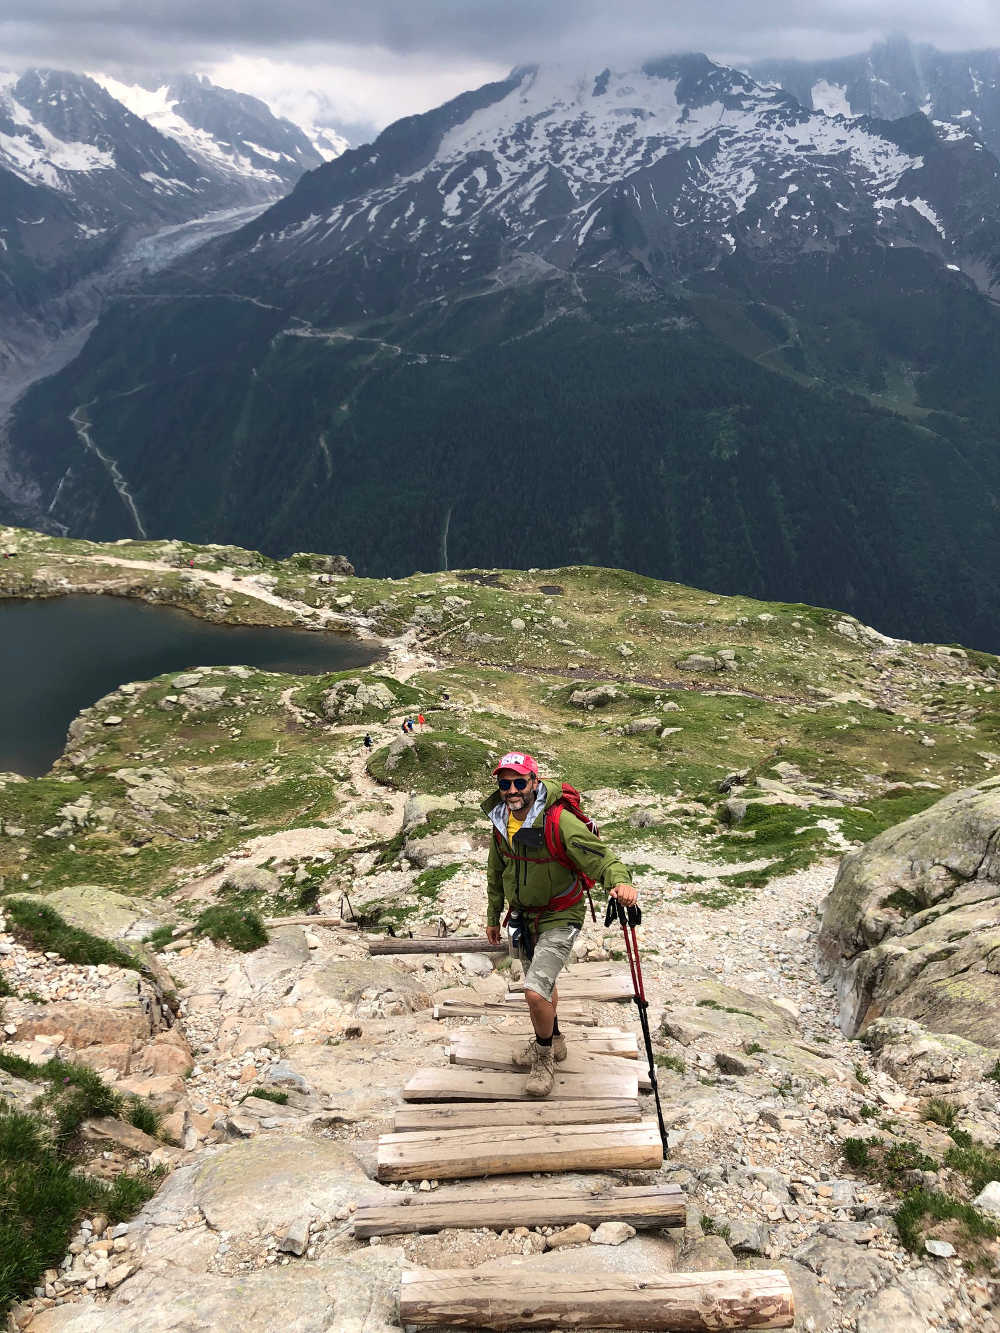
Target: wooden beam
(338, 922)
(516, 1008)
(468, 1115)
(492, 1052)
(435, 944)
(469, 1153)
(588, 1041)
(457, 1084)
(681, 1302)
(544, 1205)
(586, 988)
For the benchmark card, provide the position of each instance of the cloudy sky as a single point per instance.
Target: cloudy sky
(363, 63)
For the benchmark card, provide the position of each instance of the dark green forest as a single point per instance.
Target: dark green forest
(824, 433)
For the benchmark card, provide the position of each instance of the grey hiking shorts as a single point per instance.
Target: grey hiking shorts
(552, 950)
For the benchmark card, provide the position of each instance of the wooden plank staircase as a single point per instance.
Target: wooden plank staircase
(472, 1119)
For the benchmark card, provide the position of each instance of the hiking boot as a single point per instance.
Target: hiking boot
(542, 1078)
(525, 1059)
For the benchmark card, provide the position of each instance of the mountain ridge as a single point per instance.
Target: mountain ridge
(759, 332)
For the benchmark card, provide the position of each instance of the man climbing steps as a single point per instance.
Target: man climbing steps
(544, 857)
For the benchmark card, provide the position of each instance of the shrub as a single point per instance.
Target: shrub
(940, 1112)
(142, 1116)
(268, 1095)
(921, 1203)
(42, 1197)
(41, 927)
(673, 1062)
(856, 1153)
(157, 938)
(975, 1161)
(243, 930)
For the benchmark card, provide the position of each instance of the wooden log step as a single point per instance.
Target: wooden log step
(586, 988)
(588, 1041)
(487, 1051)
(516, 1007)
(455, 1154)
(435, 944)
(455, 1083)
(609, 968)
(468, 1115)
(681, 1302)
(548, 1205)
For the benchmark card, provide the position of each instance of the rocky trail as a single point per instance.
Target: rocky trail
(289, 1080)
(254, 1224)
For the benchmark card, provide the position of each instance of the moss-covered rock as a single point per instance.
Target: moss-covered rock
(910, 928)
(439, 761)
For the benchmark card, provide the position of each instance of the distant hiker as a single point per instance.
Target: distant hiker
(405, 726)
(420, 721)
(445, 695)
(368, 741)
(409, 724)
(542, 857)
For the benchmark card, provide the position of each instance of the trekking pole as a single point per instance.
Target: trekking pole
(629, 918)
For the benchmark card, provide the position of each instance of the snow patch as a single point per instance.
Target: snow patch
(161, 112)
(831, 99)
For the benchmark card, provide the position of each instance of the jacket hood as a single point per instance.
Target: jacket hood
(497, 811)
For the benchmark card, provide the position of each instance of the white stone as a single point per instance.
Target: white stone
(989, 1200)
(612, 1233)
(941, 1249)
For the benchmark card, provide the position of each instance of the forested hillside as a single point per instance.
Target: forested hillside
(692, 329)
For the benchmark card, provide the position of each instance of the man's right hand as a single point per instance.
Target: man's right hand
(493, 934)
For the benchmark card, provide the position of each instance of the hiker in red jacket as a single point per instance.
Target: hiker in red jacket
(543, 858)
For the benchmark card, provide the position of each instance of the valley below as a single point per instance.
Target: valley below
(193, 897)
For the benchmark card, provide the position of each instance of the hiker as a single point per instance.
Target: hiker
(405, 726)
(545, 894)
(421, 720)
(368, 741)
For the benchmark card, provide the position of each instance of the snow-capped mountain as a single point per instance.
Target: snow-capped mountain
(89, 167)
(898, 78)
(675, 167)
(227, 133)
(752, 338)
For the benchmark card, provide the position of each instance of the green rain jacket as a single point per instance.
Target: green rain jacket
(535, 882)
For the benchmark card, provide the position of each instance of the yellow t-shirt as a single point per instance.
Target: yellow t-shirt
(513, 824)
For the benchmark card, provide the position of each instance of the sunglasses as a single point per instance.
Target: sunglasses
(518, 784)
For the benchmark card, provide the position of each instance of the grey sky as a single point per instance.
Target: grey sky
(370, 61)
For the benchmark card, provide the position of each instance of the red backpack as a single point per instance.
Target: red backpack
(568, 799)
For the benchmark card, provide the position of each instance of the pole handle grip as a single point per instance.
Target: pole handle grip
(626, 916)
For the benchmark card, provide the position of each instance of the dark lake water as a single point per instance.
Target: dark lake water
(60, 655)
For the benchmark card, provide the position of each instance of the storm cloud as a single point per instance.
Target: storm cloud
(424, 44)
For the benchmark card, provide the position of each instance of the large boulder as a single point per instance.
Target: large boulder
(357, 700)
(596, 697)
(322, 564)
(103, 912)
(911, 928)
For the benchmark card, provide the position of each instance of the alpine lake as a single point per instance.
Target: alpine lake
(60, 655)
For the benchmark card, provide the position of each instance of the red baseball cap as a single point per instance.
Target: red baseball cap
(518, 763)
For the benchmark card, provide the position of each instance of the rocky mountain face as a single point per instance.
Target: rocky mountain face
(88, 168)
(733, 752)
(731, 333)
(231, 135)
(672, 168)
(897, 78)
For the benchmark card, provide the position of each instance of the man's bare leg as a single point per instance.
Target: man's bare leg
(542, 1011)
